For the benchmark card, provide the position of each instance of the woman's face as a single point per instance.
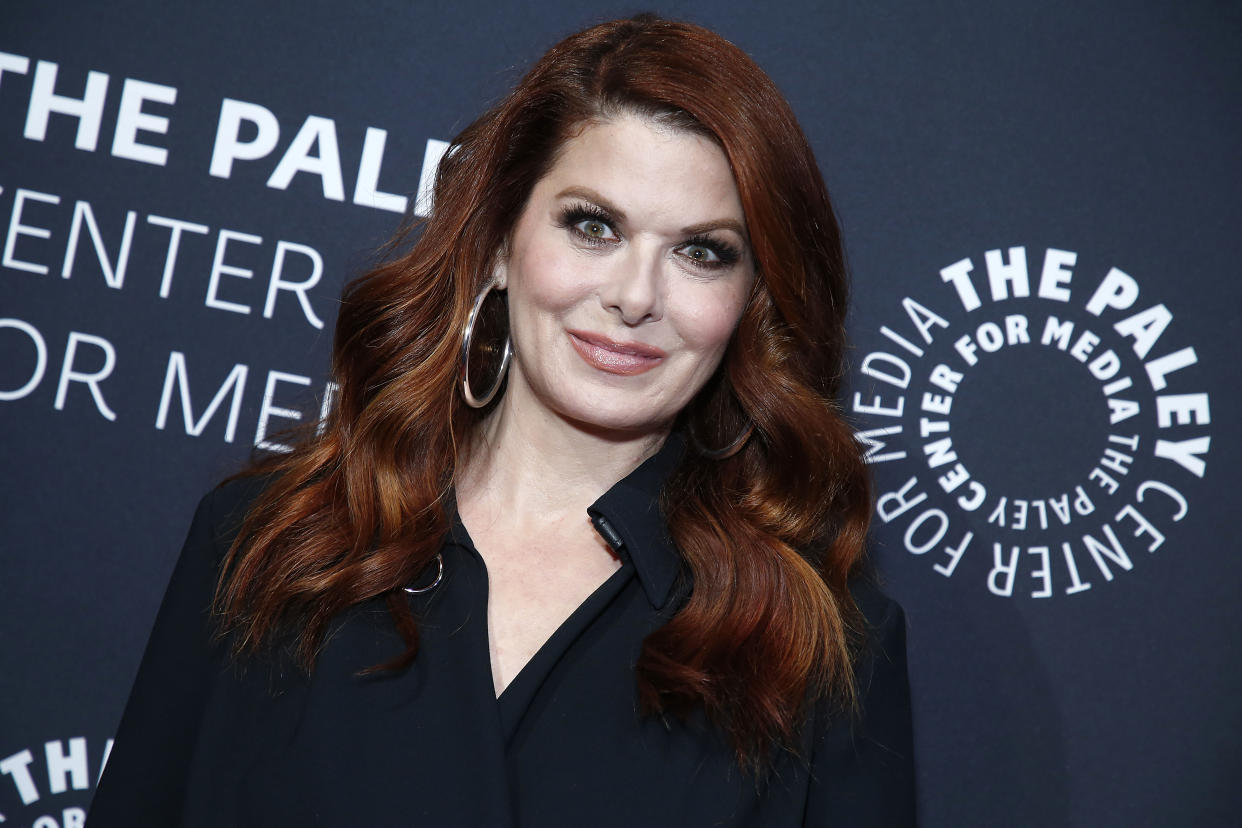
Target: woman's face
(626, 272)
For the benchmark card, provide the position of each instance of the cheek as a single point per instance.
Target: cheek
(711, 317)
(542, 279)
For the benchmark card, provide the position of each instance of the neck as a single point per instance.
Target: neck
(525, 465)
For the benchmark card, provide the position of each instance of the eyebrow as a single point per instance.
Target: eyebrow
(587, 194)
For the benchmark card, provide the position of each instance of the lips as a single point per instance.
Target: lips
(610, 356)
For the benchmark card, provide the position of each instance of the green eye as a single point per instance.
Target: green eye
(708, 253)
(700, 254)
(595, 230)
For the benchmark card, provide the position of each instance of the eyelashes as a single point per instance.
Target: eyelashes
(576, 214)
(726, 254)
(702, 251)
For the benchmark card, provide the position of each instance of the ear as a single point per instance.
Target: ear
(500, 271)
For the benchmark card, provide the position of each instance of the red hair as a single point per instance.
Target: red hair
(769, 535)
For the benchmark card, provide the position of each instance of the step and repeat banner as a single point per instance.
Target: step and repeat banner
(1042, 215)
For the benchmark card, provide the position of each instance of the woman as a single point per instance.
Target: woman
(579, 544)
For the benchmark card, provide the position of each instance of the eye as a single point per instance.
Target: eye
(699, 254)
(709, 254)
(588, 223)
(595, 229)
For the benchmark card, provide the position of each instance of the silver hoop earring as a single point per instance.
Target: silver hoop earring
(433, 584)
(723, 453)
(467, 336)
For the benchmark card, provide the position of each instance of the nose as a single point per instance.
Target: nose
(633, 288)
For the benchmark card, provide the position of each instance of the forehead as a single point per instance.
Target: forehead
(648, 169)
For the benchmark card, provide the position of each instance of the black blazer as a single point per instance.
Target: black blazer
(204, 743)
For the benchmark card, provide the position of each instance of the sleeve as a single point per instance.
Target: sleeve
(144, 780)
(863, 765)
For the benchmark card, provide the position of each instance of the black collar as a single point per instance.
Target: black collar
(628, 517)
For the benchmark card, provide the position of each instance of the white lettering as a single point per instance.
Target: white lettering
(944, 377)
(901, 340)
(1117, 290)
(229, 148)
(878, 407)
(316, 131)
(299, 289)
(891, 505)
(1115, 552)
(16, 64)
(955, 554)
(88, 109)
(923, 319)
(1056, 273)
(40, 358)
(900, 376)
(131, 120)
(1002, 274)
(958, 274)
(16, 229)
(1160, 368)
(91, 379)
(219, 268)
(17, 767)
(234, 383)
(267, 409)
(60, 767)
(1001, 568)
(174, 246)
(937, 534)
(366, 189)
(1076, 583)
(1185, 453)
(1143, 526)
(432, 156)
(1168, 491)
(114, 275)
(1055, 329)
(1043, 574)
(1184, 408)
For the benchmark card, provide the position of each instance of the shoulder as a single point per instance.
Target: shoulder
(881, 675)
(863, 763)
(222, 511)
(217, 519)
(880, 670)
(148, 768)
(884, 632)
(878, 608)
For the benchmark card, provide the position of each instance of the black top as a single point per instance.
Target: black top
(203, 743)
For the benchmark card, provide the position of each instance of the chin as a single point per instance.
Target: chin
(620, 425)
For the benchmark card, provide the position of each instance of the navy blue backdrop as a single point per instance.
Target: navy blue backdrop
(1042, 216)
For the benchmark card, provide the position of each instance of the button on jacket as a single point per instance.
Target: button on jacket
(204, 742)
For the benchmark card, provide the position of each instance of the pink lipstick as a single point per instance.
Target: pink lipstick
(610, 356)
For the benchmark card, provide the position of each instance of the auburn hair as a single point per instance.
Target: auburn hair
(769, 535)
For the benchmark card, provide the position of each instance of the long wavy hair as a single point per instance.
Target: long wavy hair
(769, 535)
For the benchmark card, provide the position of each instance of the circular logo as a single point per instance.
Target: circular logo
(1032, 425)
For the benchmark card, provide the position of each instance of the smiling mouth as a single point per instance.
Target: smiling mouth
(624, 358)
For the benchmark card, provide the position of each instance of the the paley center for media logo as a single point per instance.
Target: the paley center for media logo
(1035, 425)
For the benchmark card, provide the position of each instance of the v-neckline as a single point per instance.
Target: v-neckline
(522, 688)
(516, 697)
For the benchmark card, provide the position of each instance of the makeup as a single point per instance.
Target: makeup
(624, 358)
